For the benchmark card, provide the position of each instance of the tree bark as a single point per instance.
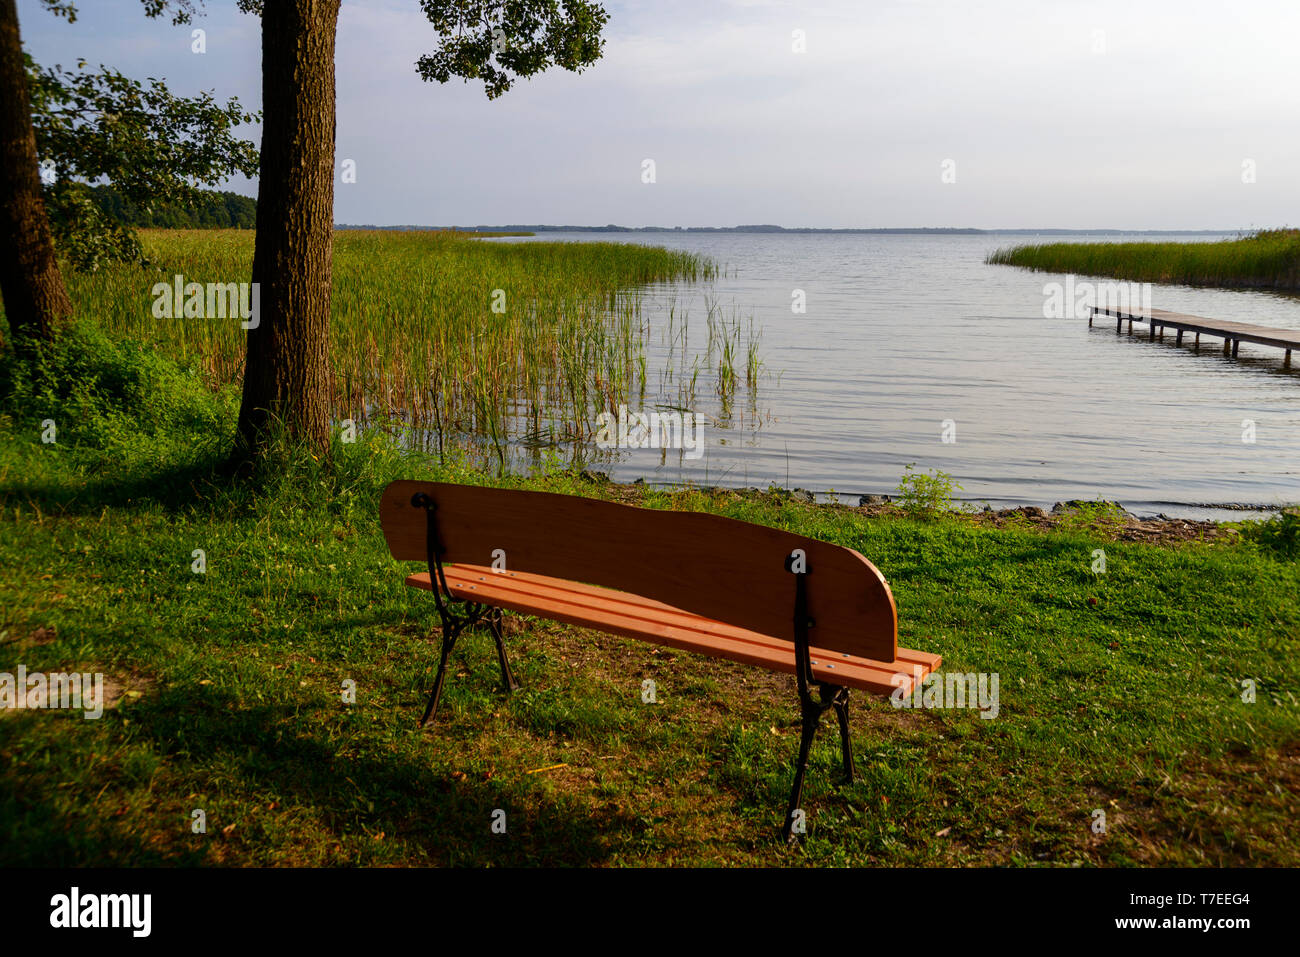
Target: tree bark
(287, 375)
(35, 299)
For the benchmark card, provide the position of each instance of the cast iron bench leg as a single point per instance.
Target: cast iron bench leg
(831, 696)
(448, 640)
(811, 718)
(846, 740)
(507, 677)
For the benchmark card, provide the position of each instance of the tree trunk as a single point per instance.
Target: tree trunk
(35, 299)
(287, 375)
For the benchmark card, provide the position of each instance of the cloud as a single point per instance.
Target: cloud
(1071, 113)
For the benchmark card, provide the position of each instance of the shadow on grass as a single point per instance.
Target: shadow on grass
(352, 792)
(37, 833)
(205, 486)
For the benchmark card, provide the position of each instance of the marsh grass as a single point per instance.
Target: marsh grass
(1269, 259)
(414, 336)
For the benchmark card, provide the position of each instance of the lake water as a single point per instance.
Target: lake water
(902, 334)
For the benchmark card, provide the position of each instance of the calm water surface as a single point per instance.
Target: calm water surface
(904, 332)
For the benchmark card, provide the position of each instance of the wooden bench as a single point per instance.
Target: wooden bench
(693, 581)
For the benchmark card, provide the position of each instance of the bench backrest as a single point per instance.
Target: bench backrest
(717, 567)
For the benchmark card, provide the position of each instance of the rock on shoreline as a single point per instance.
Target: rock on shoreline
(1110, 517)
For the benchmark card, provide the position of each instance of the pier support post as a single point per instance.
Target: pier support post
(1183, 327)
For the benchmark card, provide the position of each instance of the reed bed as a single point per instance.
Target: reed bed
(1264, 260)
(414, 332)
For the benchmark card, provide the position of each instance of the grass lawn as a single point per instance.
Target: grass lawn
(1120, 692)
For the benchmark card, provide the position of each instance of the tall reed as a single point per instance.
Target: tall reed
(1265, 260)
(444, 332)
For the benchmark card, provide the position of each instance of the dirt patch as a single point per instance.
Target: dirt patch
(1204, 804)
(1123, 527)
(38, 636)
(68, 690)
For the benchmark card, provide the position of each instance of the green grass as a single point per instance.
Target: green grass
(1268, 259)
(1119, 692)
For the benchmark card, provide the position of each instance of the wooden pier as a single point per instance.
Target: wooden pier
(1233, 334)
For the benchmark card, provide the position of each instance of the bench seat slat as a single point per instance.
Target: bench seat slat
(633, 616)
(472, 577)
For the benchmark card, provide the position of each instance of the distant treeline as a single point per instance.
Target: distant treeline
(522, 230)
(219, 210)
(529, 230)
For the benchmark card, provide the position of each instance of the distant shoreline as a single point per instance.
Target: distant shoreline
(1126, 525)
(1150, 515)
(802, 230)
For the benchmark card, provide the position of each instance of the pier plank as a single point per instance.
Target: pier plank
(1232, 333)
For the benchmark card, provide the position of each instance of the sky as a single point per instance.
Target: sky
(1140, 114)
